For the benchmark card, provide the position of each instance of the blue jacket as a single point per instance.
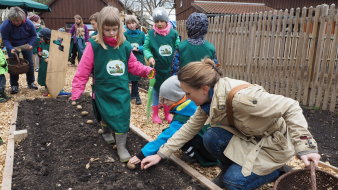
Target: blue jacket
(187, 108)
(14, 36)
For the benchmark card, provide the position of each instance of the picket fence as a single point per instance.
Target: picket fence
(291, 52)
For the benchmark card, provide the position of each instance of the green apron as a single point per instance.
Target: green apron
(190, 53)
(37, 41)
(43, 64)
(110, 85)
(136, 41)
(162, 48)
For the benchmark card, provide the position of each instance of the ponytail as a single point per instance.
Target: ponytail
(198, 74)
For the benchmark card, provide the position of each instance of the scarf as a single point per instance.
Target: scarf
(165, 31)
(133, 32)
(206, 106)
(111, 41)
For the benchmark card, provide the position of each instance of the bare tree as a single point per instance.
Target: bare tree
(139, 7)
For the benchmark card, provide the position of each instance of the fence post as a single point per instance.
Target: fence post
(312, 55)
(315, 65)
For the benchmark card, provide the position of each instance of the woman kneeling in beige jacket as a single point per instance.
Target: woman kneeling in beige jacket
(253, 134)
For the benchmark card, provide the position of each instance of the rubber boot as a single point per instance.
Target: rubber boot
(155, 117)
(122, 151)
(3, 97)
(107, 133)
(167, 115)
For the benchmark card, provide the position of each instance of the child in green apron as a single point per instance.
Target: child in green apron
(109, 57)
(136, 38)
(93, 22)
(159, 45)
(195, 48)
(43, 52)
(3, 71)
(37, 23)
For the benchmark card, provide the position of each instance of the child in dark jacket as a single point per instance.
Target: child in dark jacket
(173, 96)
(195, 48)
(136, 38)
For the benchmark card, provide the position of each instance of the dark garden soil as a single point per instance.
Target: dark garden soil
(57, 153)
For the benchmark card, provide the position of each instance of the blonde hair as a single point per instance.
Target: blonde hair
(81, 21)
(200, 73)
(130, 19)
(94, 17)
(109, 16)
(16, 12)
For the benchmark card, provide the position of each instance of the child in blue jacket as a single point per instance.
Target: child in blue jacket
(173, 96)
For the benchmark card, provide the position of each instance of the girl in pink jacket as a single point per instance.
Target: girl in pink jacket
(109, 58)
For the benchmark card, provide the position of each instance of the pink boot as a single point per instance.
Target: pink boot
(167, 115)
(155, 117)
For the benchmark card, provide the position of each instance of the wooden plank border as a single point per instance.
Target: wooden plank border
(8, 169)
(189, 170)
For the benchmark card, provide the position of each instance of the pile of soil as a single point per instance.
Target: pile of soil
(63, 152)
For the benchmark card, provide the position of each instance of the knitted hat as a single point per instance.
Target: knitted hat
(45, 33)
(160, 14)
(171, 90)
(197, 25)
(34, 18)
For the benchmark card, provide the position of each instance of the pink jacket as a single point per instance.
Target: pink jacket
(86, 66)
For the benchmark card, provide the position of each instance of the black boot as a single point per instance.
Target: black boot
(138, 100)
(218, 180)
(3, 97)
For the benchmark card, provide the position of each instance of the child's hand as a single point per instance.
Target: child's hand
(152, 74)
(13, 51)
(134, 160)
(46, 60)
(151, 61)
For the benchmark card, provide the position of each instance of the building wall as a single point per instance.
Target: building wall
(63, 11)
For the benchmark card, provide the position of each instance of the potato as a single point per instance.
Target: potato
(73, 103)
(131, 166)
(90, 121)
(83, 113)
(79, 107)
(100, 131)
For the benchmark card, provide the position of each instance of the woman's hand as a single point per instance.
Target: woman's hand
(150, 161)
(134, 160)
(315, 157)
(13, 51)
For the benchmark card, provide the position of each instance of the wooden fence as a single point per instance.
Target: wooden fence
(291, 52)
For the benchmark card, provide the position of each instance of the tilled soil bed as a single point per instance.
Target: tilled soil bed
(63, 152)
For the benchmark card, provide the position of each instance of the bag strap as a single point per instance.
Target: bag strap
(230, 114)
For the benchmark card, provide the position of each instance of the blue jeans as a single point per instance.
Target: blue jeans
(215, 141)
(28, 55)
(2, 82)
(155, 97)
